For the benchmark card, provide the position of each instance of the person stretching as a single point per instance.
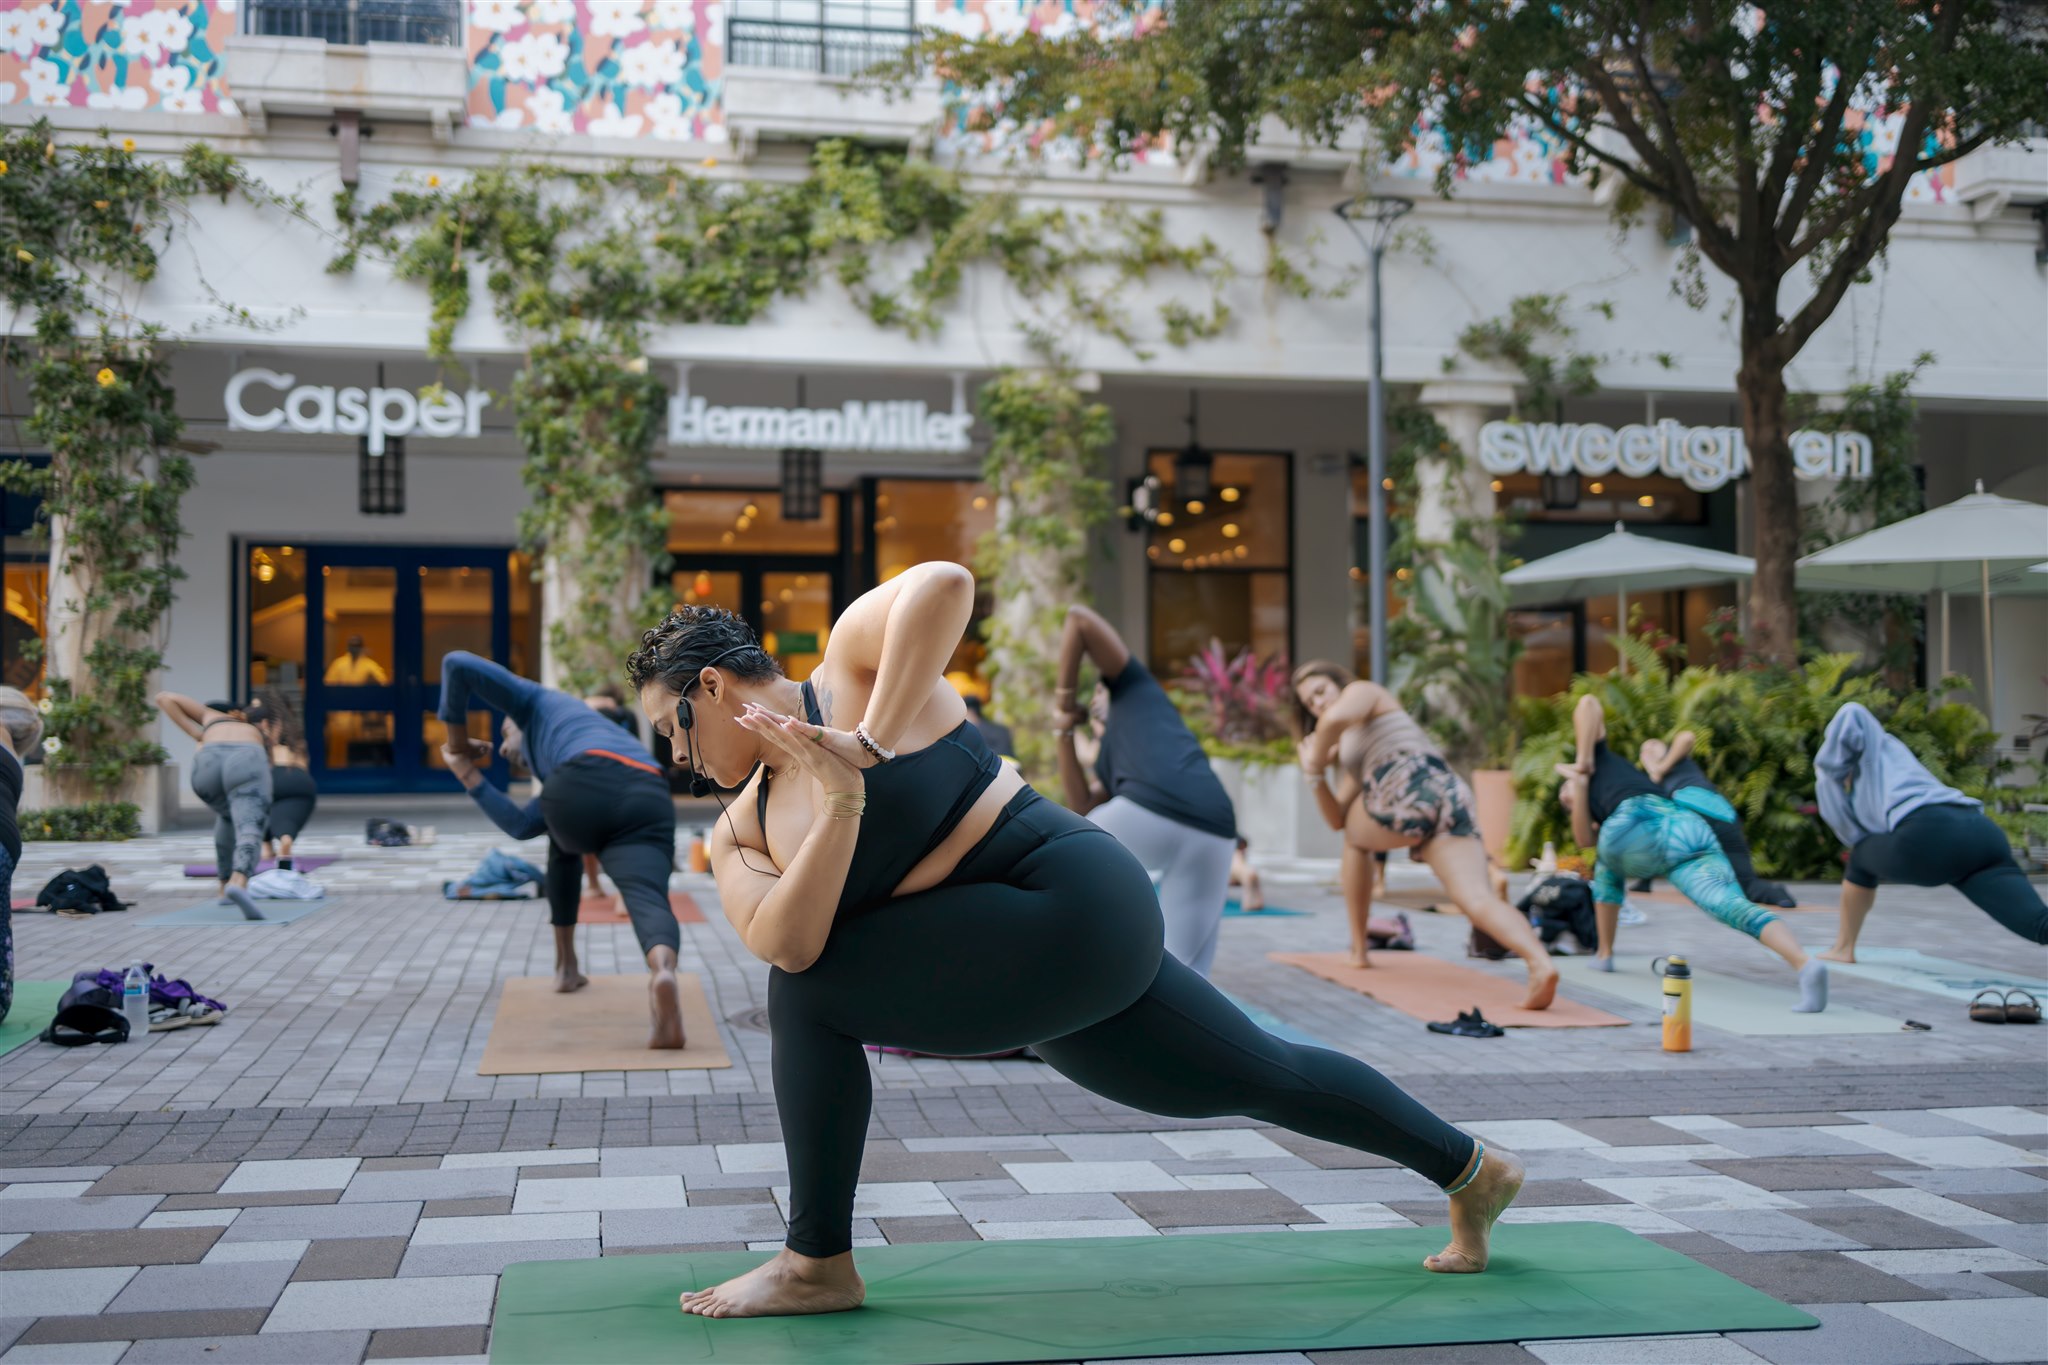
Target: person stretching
(1672, 768)
(231, 774)
(909, 889)
(1152, 787)
(293, 795)
(1395, 790)
(1641, 832)
(601, 793)
(1902, 825)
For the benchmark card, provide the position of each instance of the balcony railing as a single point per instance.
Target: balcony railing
(436, 23)
(836, 38)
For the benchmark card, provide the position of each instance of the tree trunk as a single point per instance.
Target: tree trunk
(1774, 496)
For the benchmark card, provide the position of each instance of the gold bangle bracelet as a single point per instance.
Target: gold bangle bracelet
(845, 805)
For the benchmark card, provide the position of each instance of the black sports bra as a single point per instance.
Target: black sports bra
(914, 801)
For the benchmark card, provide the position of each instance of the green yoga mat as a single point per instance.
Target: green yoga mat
(1105, 1298)
(35, 1004)
(1734, 1004)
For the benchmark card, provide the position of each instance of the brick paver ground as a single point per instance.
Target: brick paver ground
(324, 1177)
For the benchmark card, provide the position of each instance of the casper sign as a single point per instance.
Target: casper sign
(885, 426)
(1704, 457)
(322, 410)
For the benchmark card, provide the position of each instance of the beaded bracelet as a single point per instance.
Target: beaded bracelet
(881, 755)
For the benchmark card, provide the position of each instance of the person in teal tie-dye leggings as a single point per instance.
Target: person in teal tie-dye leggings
(1641, 832)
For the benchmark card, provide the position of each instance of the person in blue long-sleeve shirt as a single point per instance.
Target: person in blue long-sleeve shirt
(602, 793)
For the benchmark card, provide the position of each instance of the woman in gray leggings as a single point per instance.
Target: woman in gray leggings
(231, 774)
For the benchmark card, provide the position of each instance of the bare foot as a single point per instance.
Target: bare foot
(568, 977)
(786, 1285)
(1837, 955)
(1542, 988)
(665, 1003)
(1360, 957)
(1474, 1210)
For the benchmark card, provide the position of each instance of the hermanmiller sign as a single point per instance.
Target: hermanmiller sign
(1704, 457)
(852, 426)
(378, 413)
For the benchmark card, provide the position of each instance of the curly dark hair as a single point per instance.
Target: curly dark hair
(677, 650)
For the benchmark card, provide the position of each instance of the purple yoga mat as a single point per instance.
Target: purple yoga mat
(302, 864)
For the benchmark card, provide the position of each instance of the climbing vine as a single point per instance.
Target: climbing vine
(581, 265)
(82, 228)
(1047, 441)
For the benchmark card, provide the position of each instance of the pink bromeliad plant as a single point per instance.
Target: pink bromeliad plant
(1245, 697)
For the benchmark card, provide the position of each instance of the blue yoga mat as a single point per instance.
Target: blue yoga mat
(212, 912)
(1236, 910)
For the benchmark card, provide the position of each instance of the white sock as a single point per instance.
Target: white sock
(1813, 987)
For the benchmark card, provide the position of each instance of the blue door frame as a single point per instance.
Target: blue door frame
(408, 695)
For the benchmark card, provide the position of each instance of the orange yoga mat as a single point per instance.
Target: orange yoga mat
(602, 1027)
(1429, 988)
(610, 910)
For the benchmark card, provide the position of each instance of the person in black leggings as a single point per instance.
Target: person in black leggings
(929, 899)
(601, 793)
(293, 795)
(1672, 767)
(1902, 824)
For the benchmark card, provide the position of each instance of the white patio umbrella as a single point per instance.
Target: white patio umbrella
(1615, 563)
(1980, 544)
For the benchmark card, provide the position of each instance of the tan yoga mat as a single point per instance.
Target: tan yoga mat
(602, 1027)
(1757, 1009)
(612, 910)
(1429, 988)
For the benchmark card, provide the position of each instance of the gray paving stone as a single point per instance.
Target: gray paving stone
(1802, 1119)
(178, 1288)
(2033, 1281)
(1693, 1244)
(1766, 1230)
(1812, 1277)
(2029, 1207)
(272, 1199)
(1883, 1229)
(427, 1343)
(81, 1214)
(1490, 1353)
(705, 1199)
(1350, 1186)
(1779, 1174)
(351, 1258)
(659, 1160)
(877, 1167)
(466, 1208)
(926, 1230)
(322, 1222)
(279, 1348)
(1966, 1284)
(57, 1331)
(490, 1258)
(197, 1177)
(42, 1293)
(1328, 1156)
(1854, 1334)
(123, 1246)
(691, 1226)
(400, 1163)
(1955, 1184)
(1215, 1208)
(1633, 1132)
(1545, 1193)
(383, 1187)
(585, 1171)
(1996, 1329)
(2028, 1239)
(1043, 1208)
(437, 1301)
(18, 1175)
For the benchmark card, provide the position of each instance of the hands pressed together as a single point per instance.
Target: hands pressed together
(833, 757)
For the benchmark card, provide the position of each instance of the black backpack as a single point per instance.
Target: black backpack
(1560, 905)
(88, 1013)
(386, 833)
(87, 892)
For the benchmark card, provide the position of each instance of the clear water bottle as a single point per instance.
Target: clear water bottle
(135, 1002)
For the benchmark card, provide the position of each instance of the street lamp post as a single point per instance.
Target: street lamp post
(1371, 218)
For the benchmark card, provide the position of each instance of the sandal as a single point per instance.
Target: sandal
(1993, 1013)
(164, 1018)
(1471, 1024)
(2029, 1013)
(197, 1011)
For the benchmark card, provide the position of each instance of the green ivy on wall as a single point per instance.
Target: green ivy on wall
(81, 229)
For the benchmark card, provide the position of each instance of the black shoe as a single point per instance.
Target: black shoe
(1470, 1025)
(1642, 885)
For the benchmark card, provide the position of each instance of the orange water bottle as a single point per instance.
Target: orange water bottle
(1677, 1004)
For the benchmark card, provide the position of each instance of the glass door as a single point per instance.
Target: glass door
(379, 621)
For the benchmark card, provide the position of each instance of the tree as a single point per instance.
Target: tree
(1760, 127)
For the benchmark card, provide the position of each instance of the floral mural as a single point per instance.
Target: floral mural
(608, 68)
(129, 55)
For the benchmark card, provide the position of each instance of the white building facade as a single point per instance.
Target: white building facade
(338, 503)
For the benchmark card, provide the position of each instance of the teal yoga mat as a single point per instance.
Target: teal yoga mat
(35, 1005)
(1959, 981)
(1235, 910)
(212, 912)
(948, 1303)
(1733, 1004)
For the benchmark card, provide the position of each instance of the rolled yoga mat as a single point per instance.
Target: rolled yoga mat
(1429, 988)
(1959, 981)
(1730, 1003)
(33, 1007)
(602, 1027)
(947, 1303)
(611, 910)
(302, 864)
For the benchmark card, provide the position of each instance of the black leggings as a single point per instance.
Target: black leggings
(1955, 846)
(626, 817)
(1049, 935)
(292, 799)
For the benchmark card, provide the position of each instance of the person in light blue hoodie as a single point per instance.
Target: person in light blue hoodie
(1902, 825)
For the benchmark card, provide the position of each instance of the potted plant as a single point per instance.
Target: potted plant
(1240, 708)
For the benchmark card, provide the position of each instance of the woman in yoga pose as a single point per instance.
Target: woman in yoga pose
(231, 774)
(1672, 767)
(1902, 825)
(293, 795)
(1640, 832)
(912, 891)
(1395, 790)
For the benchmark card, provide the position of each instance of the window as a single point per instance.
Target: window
(1221, 565)
(729, 522)
(916, 520)
(433, 22)
(1602, 501)
(834, 37)
(277, 618)
(25, 622)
